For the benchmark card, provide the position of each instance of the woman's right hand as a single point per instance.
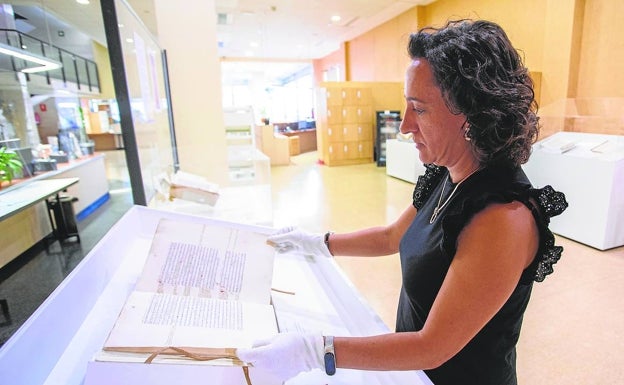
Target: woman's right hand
(293, 239)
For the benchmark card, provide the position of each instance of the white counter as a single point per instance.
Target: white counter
(590, 172)
(26, 228)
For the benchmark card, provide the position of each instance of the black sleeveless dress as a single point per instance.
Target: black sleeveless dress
(427, 250)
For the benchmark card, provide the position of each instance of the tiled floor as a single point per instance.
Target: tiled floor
(573, 331)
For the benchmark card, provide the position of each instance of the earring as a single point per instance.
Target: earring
(467, 131)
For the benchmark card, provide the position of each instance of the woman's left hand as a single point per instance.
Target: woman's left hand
(285, 355)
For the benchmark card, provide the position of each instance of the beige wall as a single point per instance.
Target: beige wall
(195, 76)
(574, 45)
(335, 59)
(602, 54)
(101, 58)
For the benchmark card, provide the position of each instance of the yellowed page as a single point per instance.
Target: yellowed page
(163, 320)
(213, 261)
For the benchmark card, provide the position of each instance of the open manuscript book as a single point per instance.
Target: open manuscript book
(204, 291)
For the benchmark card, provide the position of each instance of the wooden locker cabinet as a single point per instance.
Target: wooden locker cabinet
(345, 122)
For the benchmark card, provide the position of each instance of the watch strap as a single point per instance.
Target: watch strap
(326, 241)
(330, 356)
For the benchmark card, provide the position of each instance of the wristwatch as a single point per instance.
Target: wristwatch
(329, 356)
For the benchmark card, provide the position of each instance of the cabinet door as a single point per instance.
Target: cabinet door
(350, 150)
(364, 96)
(357, 96)
(334, 115)
(358, 150)
(350, 114)
(336, 152)
(365, 114)
(365, 149)
(334, 96)
(335, 133)
(357, 132)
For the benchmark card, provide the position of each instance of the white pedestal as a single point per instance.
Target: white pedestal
(593, 183)
(402, 160)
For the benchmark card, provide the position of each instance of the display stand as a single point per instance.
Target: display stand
(58, 342)
(589, 170)
(402, 160)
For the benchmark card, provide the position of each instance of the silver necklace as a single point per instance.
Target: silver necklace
(440, 206)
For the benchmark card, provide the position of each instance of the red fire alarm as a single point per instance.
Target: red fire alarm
(43, 107)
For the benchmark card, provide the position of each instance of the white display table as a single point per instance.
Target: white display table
(402, 160)
(590, 172)
(57, 343)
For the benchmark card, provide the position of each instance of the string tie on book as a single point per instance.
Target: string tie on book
(172, 350)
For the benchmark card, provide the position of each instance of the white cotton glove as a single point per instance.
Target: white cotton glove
(286, 355)
(293, 239)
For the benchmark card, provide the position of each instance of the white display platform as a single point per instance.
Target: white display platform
(590, 172)
(402, 160)
(56, 345)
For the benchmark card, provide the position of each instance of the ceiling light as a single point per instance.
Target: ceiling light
(82, 2)
(335, 19)
(43, 63)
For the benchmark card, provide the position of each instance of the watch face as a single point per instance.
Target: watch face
(330, 364)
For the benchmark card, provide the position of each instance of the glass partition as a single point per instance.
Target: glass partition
(75, 69)
(141, 97)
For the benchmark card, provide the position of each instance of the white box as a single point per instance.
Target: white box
(56, 345)
(591, 175)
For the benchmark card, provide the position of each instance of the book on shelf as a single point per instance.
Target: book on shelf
(204, 291)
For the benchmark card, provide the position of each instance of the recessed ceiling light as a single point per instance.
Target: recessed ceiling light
(335, 19)
(82, 1)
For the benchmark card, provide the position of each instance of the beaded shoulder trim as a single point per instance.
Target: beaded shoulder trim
(551, 203)
(426, 183)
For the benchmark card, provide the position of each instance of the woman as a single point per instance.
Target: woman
(475, 237)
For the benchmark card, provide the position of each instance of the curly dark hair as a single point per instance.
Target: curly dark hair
(482, 76)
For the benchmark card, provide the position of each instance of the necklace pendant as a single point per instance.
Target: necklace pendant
(434, 215)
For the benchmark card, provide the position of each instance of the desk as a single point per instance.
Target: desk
(25, 228)
(106, 141)
(17, 200)
(307, 138)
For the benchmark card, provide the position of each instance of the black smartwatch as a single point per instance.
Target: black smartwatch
(329, 356)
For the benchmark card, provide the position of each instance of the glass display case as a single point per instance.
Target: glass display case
(388, 123)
